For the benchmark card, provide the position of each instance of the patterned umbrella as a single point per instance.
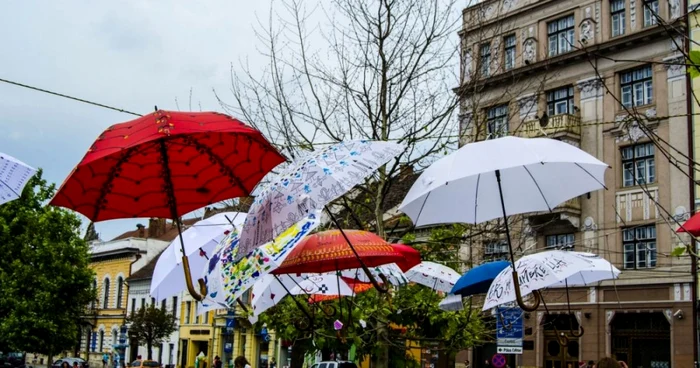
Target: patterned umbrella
(14, 176)
(433, 275)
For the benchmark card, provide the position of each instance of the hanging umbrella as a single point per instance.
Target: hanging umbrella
(692, 226)
(200, 241)
(537, 271)
(433, 275)
(270, 290)
(391, 272)
(310, 184)
(14, 176)
(356, 286)
(451, 303)
(327, 284)
(410, 254)
(520, 175)
(478, 279)
(167, 164)
(601, 269)
(327, 251)
(227, 279)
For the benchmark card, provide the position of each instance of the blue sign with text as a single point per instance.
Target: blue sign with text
(509, 323)
(230, 323)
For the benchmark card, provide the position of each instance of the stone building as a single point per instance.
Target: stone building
(603, 75)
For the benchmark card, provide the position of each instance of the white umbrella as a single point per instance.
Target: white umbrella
(269, 290)
(601, 269)
(200, 241)
(502, 177)
(464, 186)
(451, 303)
(14, 176)
(326, 284)
(536, 271)
(310, 184)
(433, 275)
(391, 271)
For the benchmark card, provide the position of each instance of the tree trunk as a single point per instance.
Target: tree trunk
(297, 356)
(149, 348)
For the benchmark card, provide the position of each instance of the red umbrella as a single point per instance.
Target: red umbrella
(692, 226)
(411, 256)
(167, 164)
(328, 251)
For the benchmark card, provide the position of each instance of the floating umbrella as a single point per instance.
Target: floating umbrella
(200, 241)
(433, 275)
(478, 279)
(356, 286)
(410, 254)
(520, 175)
(391, 272)
(167, 164)
(14, 176)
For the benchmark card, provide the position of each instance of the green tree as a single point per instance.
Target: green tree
(45, 281)
(151, 325)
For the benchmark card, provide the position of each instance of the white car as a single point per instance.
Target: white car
(335, 364)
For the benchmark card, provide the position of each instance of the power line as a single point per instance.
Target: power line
(69, 97)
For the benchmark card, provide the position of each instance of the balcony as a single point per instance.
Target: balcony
(558, 126)
(568, 213)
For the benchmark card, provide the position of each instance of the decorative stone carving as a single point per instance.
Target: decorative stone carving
(609, 316)
(620, 118)
(675, 66)
(650, 113)
(466, 65)
(529, 50)
(586, 31)
(528, 106)
(589, 224)
(669, 315)
(686, 292)
(675, 6)
(590, 88)
(592, 294)
(633, 15)
(681, 214)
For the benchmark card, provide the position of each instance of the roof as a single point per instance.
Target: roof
(168, 235)
(146, 272)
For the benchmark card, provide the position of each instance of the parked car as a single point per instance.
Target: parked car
(12, 360)
(335, 364)
(144, 363)
(81, 363)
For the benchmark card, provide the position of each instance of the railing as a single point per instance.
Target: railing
(557, 125)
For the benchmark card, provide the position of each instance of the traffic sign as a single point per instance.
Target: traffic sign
(230, 323)
(509, 330)
(498, 360)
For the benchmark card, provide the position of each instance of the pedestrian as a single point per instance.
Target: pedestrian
(273, 363)
(217, 362)
(241, 362)
(75, 364)
(591, 364)
(105, 360)
(65, 364)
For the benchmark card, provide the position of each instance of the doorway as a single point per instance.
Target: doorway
(183, 353)
(556, 355)
(641, 339)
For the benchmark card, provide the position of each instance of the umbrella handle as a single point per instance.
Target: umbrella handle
(519, 297)
(190, 285)
(561, 338)
(577, 333)
(242, 305)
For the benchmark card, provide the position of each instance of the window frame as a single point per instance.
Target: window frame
(637, 84)
(120, 292)
(555, 31)
(485, 59)
(188, 312)
(175, 306)
(106, 284)
(559, 245)
(554, 100)
(497, 121)
(643, 152)
(509, 51)
(648, 17)
(632, 246)
(618, 16)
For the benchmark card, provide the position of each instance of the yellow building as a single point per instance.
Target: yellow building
(113, 262)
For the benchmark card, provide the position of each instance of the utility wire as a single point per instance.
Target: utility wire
(69, 97)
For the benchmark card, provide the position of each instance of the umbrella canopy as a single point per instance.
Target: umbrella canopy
(451, 303)
(478, 279)
(391, 271)
(14, 176)
(433, 275)
(269, 290)
(601, 269)
(356, 286)
(537, 271)
(531, 175)
(411, 256)
(310, 184)
(327, 284)
(692, 226)
(328, 251)
(166, 164)
(200, 241)
(227, 279)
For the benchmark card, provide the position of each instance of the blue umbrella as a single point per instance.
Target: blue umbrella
(478, 279)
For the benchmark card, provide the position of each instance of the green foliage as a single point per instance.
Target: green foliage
(694, 61)
(151, 325)
(45, 281)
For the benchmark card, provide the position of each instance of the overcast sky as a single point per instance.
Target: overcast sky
(131, 54)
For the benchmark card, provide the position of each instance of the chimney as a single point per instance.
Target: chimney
(405, 171)
(142, 230)
(156, 227)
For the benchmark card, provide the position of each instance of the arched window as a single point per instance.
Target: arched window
(102, 339)
(114, 337)
(93, 304)
(105, 303)
(120, 287)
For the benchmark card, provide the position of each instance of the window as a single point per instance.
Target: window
(485, 59)
(640, 246)
(206, 317)
(560, 101)
(617, 17)
(102, 340)
(561, 241)
(636, 87)
(638, 165)
(163, 305)
(496, 248)
(133, 305)
(153, 302)
(175, 306)
(120, 286)
(509, 52)
(143, 302)
(196, 317)
(651, 12)
(245, 298)
(188, 307)
(93, 304)
(560, 35)
(114, 337)
(105, 301)
(497, 121)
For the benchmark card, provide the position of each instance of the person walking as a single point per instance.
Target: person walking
(217, 362)
(105, 360)
(241, 362)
